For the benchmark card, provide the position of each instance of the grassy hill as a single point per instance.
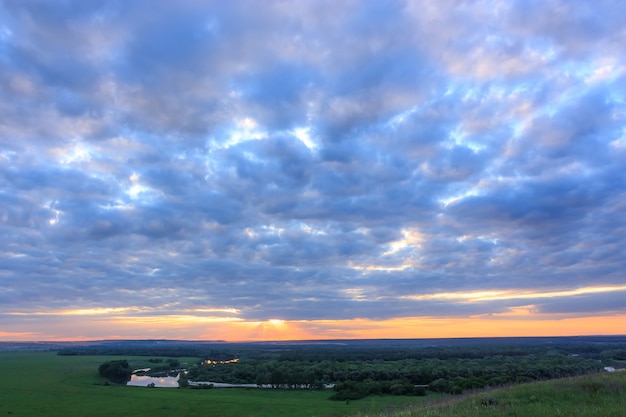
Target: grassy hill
(600, 395)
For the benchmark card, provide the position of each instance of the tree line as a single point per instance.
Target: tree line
(408, 376)
(365, 368)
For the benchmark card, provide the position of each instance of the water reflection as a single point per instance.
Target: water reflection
(140, 379)
(158, 381)
(212, 362)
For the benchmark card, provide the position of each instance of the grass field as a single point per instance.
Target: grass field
(44, 384)
(600, 395)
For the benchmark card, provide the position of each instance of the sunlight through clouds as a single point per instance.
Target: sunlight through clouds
(311, 169)
(494, 295)
(243, 130)
(304, 135)
(412, 240)
(77, 152)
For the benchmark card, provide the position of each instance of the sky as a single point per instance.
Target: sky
(311, 169)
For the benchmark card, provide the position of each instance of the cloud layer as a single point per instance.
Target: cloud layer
(311, 160)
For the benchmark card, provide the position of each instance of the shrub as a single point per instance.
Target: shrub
(116, 371)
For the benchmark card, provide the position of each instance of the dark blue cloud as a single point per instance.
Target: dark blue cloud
(278, 93)
(311, 160)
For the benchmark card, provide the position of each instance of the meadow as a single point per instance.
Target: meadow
(598, 395)
(35, 384)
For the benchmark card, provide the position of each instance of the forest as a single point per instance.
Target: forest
(356, 369)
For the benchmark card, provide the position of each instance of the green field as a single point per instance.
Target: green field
(599, 395)
(45, 384)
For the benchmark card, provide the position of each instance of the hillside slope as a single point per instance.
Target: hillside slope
(599, 395)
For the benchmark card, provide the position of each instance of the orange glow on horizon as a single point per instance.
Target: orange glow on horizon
(523, 318)
(518, 322)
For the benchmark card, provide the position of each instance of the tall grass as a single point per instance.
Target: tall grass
(599, 395)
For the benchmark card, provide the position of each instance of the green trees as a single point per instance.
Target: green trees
(353, 390)
(349, 390)
(440, 385)
(614, 356)
(396, 375)
(173, 363)
(116, 371)
(384, 370)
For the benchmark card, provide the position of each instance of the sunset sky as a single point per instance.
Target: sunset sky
(312, 169)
